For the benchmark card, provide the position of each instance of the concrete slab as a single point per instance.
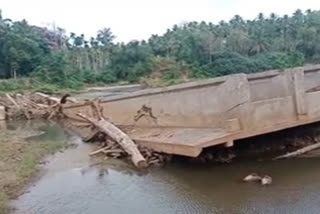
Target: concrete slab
(186, 118)
(186, 141)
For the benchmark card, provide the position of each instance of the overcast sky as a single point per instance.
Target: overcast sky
(138, 19)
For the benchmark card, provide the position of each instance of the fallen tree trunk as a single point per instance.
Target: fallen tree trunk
(299, 151)
(119, 137)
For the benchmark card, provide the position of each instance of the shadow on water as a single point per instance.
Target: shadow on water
(74, 183)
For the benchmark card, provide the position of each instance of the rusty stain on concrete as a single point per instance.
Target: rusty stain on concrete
(144, 111)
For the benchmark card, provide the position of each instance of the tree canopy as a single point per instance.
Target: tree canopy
(202, 49)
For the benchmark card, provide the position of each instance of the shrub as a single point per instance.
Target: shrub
(277, 60)
(107, 77)
(225, 63)
(163, 71)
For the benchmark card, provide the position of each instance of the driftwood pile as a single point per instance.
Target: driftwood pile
(117, 144)
(113, 150)
(32, 106)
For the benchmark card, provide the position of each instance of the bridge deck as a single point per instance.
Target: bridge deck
(186, 118)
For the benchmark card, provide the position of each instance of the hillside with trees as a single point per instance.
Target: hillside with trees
(37, 56)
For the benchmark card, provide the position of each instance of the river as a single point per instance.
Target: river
(74, 183)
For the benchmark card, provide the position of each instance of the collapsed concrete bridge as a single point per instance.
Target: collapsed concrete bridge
(186, 118)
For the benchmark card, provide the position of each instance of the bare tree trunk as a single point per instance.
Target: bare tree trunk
(119, 137)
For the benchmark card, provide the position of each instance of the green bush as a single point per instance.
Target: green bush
(277, 60)
(89, 77)
(16, 84)
(163, 71)
(315, 59)
(107, 77)
(4, 201)
(225, 63)
(139, 70)
(55, 70)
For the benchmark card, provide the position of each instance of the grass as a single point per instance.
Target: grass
(4, 208)
(34, 152)
(15, 85)
(20, 160)
(22, 85)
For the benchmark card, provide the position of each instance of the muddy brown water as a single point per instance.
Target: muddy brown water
(74, 183)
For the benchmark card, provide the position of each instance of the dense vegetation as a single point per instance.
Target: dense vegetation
(187, 51)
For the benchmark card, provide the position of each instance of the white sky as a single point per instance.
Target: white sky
(138, 19)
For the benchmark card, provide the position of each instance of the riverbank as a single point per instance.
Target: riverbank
(25, 85)
(29, 85)
(21, 153)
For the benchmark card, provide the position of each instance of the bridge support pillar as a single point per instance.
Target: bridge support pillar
(299, 93)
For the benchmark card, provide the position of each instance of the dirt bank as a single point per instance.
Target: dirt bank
(20, 157)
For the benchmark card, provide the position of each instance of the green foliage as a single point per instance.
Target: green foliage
(47, 88)
(90, 77)
(21, 48)
(107, 77)
(225, 63)
(57, 61)
(278, 61)
(315, 59)
(4, 201)
(126, 60)
(163, 71)
(17, 85)
(51, 69)
(139, 70)
(34, 152)
(56, 70)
